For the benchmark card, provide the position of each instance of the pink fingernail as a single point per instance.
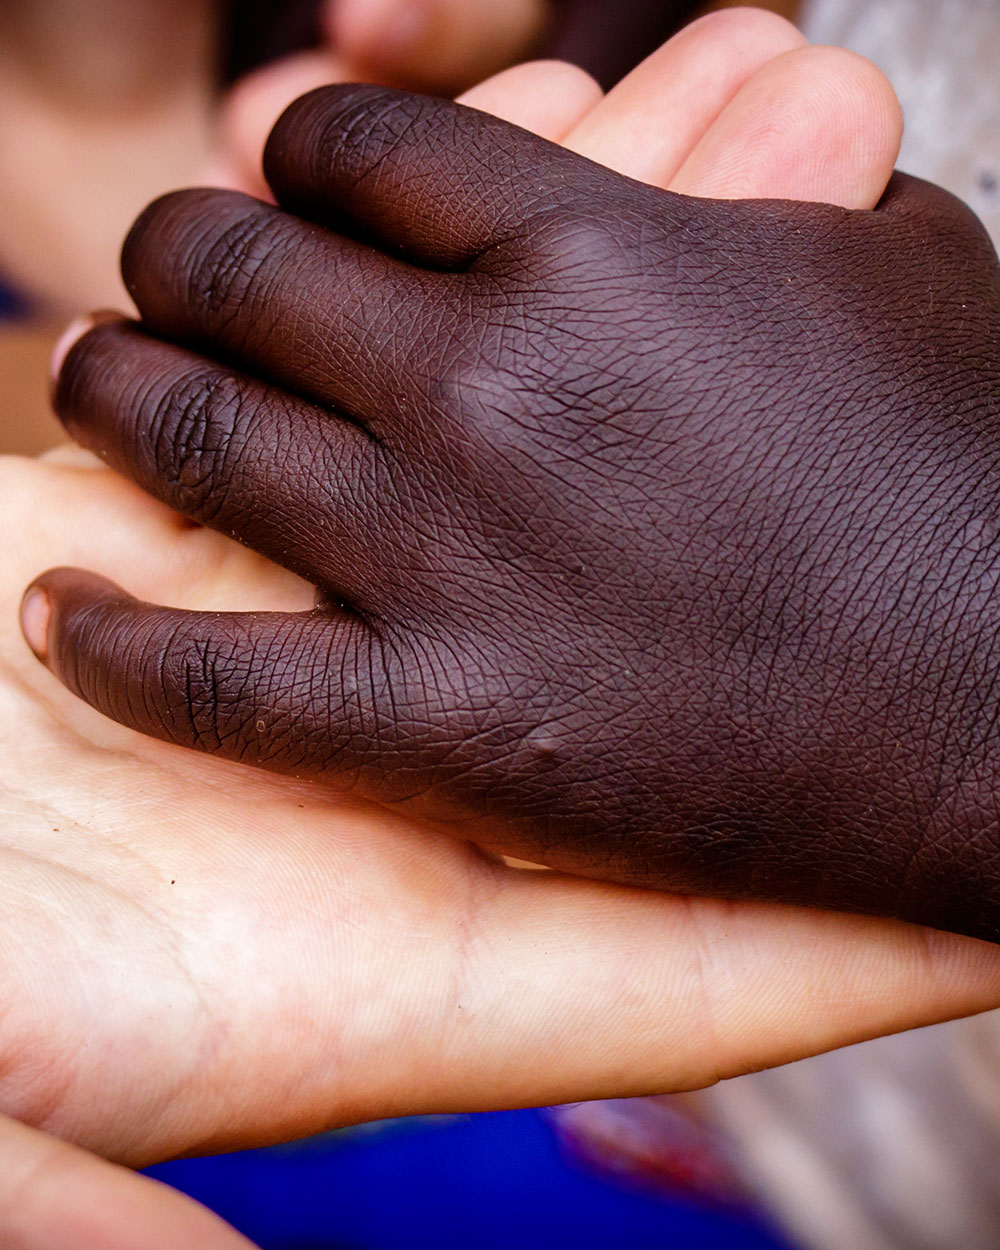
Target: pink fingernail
(74, 332)
(36, 612)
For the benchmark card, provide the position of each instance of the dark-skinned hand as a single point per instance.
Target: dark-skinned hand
(654, 538)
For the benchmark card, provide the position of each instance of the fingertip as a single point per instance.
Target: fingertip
(97, 360)
(163, 240)
(652, 120)
(870, 112)
(36, 613)
(77, 329)
(548, 98)
(858, 119)
(746, 24)
(443, 45)
(300, 128)
(255, 103)
(379, 31)
(864, 126)
(49, 597)
(149, 234)
(815, 124)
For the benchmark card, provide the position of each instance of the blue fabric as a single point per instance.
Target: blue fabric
(486, 1181)
(11, 304)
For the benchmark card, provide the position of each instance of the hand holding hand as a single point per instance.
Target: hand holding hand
(643, 530)
(225, 934)
(216, 942)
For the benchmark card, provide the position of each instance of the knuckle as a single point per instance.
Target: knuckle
(933, 225)
(196, 438)
(959, 230)
(490, 409)
(567, 245)
(264, 698)
(198, 675)
(229, 267)
(351, 129)
(223, 690)
(465, 386)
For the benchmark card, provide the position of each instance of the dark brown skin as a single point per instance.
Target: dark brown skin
(656, 539)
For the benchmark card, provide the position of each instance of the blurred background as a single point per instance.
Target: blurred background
(888, 1146)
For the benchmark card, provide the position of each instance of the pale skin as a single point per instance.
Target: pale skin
(122, 138)
(252, 960)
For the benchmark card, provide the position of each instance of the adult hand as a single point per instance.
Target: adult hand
(251, 959)
(174, 985)
(159, 119)
(584, 591)
(714, 60)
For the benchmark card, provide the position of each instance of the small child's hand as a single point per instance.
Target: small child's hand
(653, 536)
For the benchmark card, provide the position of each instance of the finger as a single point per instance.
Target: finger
(424, 177)
(229, 452)
(705, 990)
(494, 988)
(299, 306)
(252, 106)
(548, 98)
(439, 44)
(295, 693)
(818, 124)
(648, 125)
(54, 1196)
(608, 40)
(105, 523)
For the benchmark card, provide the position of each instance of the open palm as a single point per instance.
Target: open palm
(195, 955)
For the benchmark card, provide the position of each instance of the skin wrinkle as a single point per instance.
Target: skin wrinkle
(345, 267)
(677, 604)
(212, 276)
(185, 431)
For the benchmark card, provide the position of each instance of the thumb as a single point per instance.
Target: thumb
(53, 1195)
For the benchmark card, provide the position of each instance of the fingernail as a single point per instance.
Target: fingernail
(72, 335)
(36, 611)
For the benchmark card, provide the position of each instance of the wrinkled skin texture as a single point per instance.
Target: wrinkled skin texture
(654, 538)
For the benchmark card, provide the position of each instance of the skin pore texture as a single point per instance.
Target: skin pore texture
(653, 543)
(253, 959)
